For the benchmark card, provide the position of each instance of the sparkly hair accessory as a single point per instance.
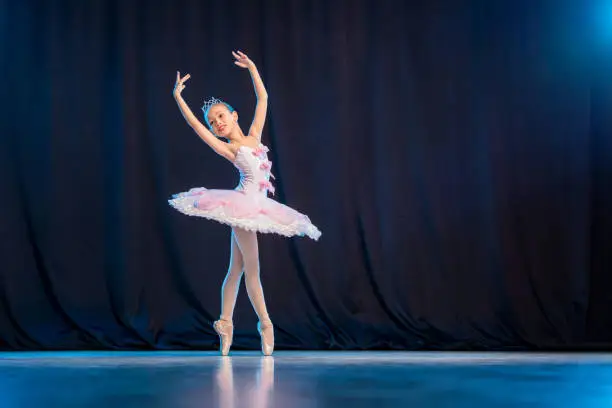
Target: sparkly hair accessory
(212, 101)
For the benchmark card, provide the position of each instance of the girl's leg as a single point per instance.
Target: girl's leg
(229, 291)
(247, 242)
(231, 284)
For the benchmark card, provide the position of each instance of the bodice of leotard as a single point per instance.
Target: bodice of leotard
(255, 170)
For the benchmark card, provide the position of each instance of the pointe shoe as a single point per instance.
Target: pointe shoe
(266, 332)
(225, 330)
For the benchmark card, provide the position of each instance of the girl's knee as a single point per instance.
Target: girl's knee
(235, 272)
(251, 266)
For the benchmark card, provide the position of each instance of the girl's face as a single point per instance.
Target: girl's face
(221, 120)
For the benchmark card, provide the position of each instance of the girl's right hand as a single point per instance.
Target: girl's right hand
(180, 83)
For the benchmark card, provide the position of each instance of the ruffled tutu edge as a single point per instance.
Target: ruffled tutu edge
(296, 228)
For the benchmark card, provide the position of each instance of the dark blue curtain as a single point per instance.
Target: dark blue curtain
(456, 155)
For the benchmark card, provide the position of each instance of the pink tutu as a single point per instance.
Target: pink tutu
(250, 212)
(247, 207)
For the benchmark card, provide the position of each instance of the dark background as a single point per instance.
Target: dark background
(457, 156)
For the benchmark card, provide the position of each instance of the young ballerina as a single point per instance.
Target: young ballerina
(247, 208)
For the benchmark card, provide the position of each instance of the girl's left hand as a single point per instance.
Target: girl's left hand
(242, 60)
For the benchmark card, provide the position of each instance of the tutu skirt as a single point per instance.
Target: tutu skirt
(249, 211)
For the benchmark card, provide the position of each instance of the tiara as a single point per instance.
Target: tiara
(212, 101)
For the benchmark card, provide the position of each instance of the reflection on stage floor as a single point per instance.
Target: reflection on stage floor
(304, 379)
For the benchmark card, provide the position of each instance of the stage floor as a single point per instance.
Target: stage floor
(304, 379)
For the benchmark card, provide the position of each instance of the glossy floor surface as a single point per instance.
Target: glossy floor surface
(304, 379)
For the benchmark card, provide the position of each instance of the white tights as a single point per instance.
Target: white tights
(244, 258)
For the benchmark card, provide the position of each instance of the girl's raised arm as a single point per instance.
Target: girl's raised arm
(217, 145)
(261, 108)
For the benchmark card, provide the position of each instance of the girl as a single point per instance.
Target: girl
(247, 208)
